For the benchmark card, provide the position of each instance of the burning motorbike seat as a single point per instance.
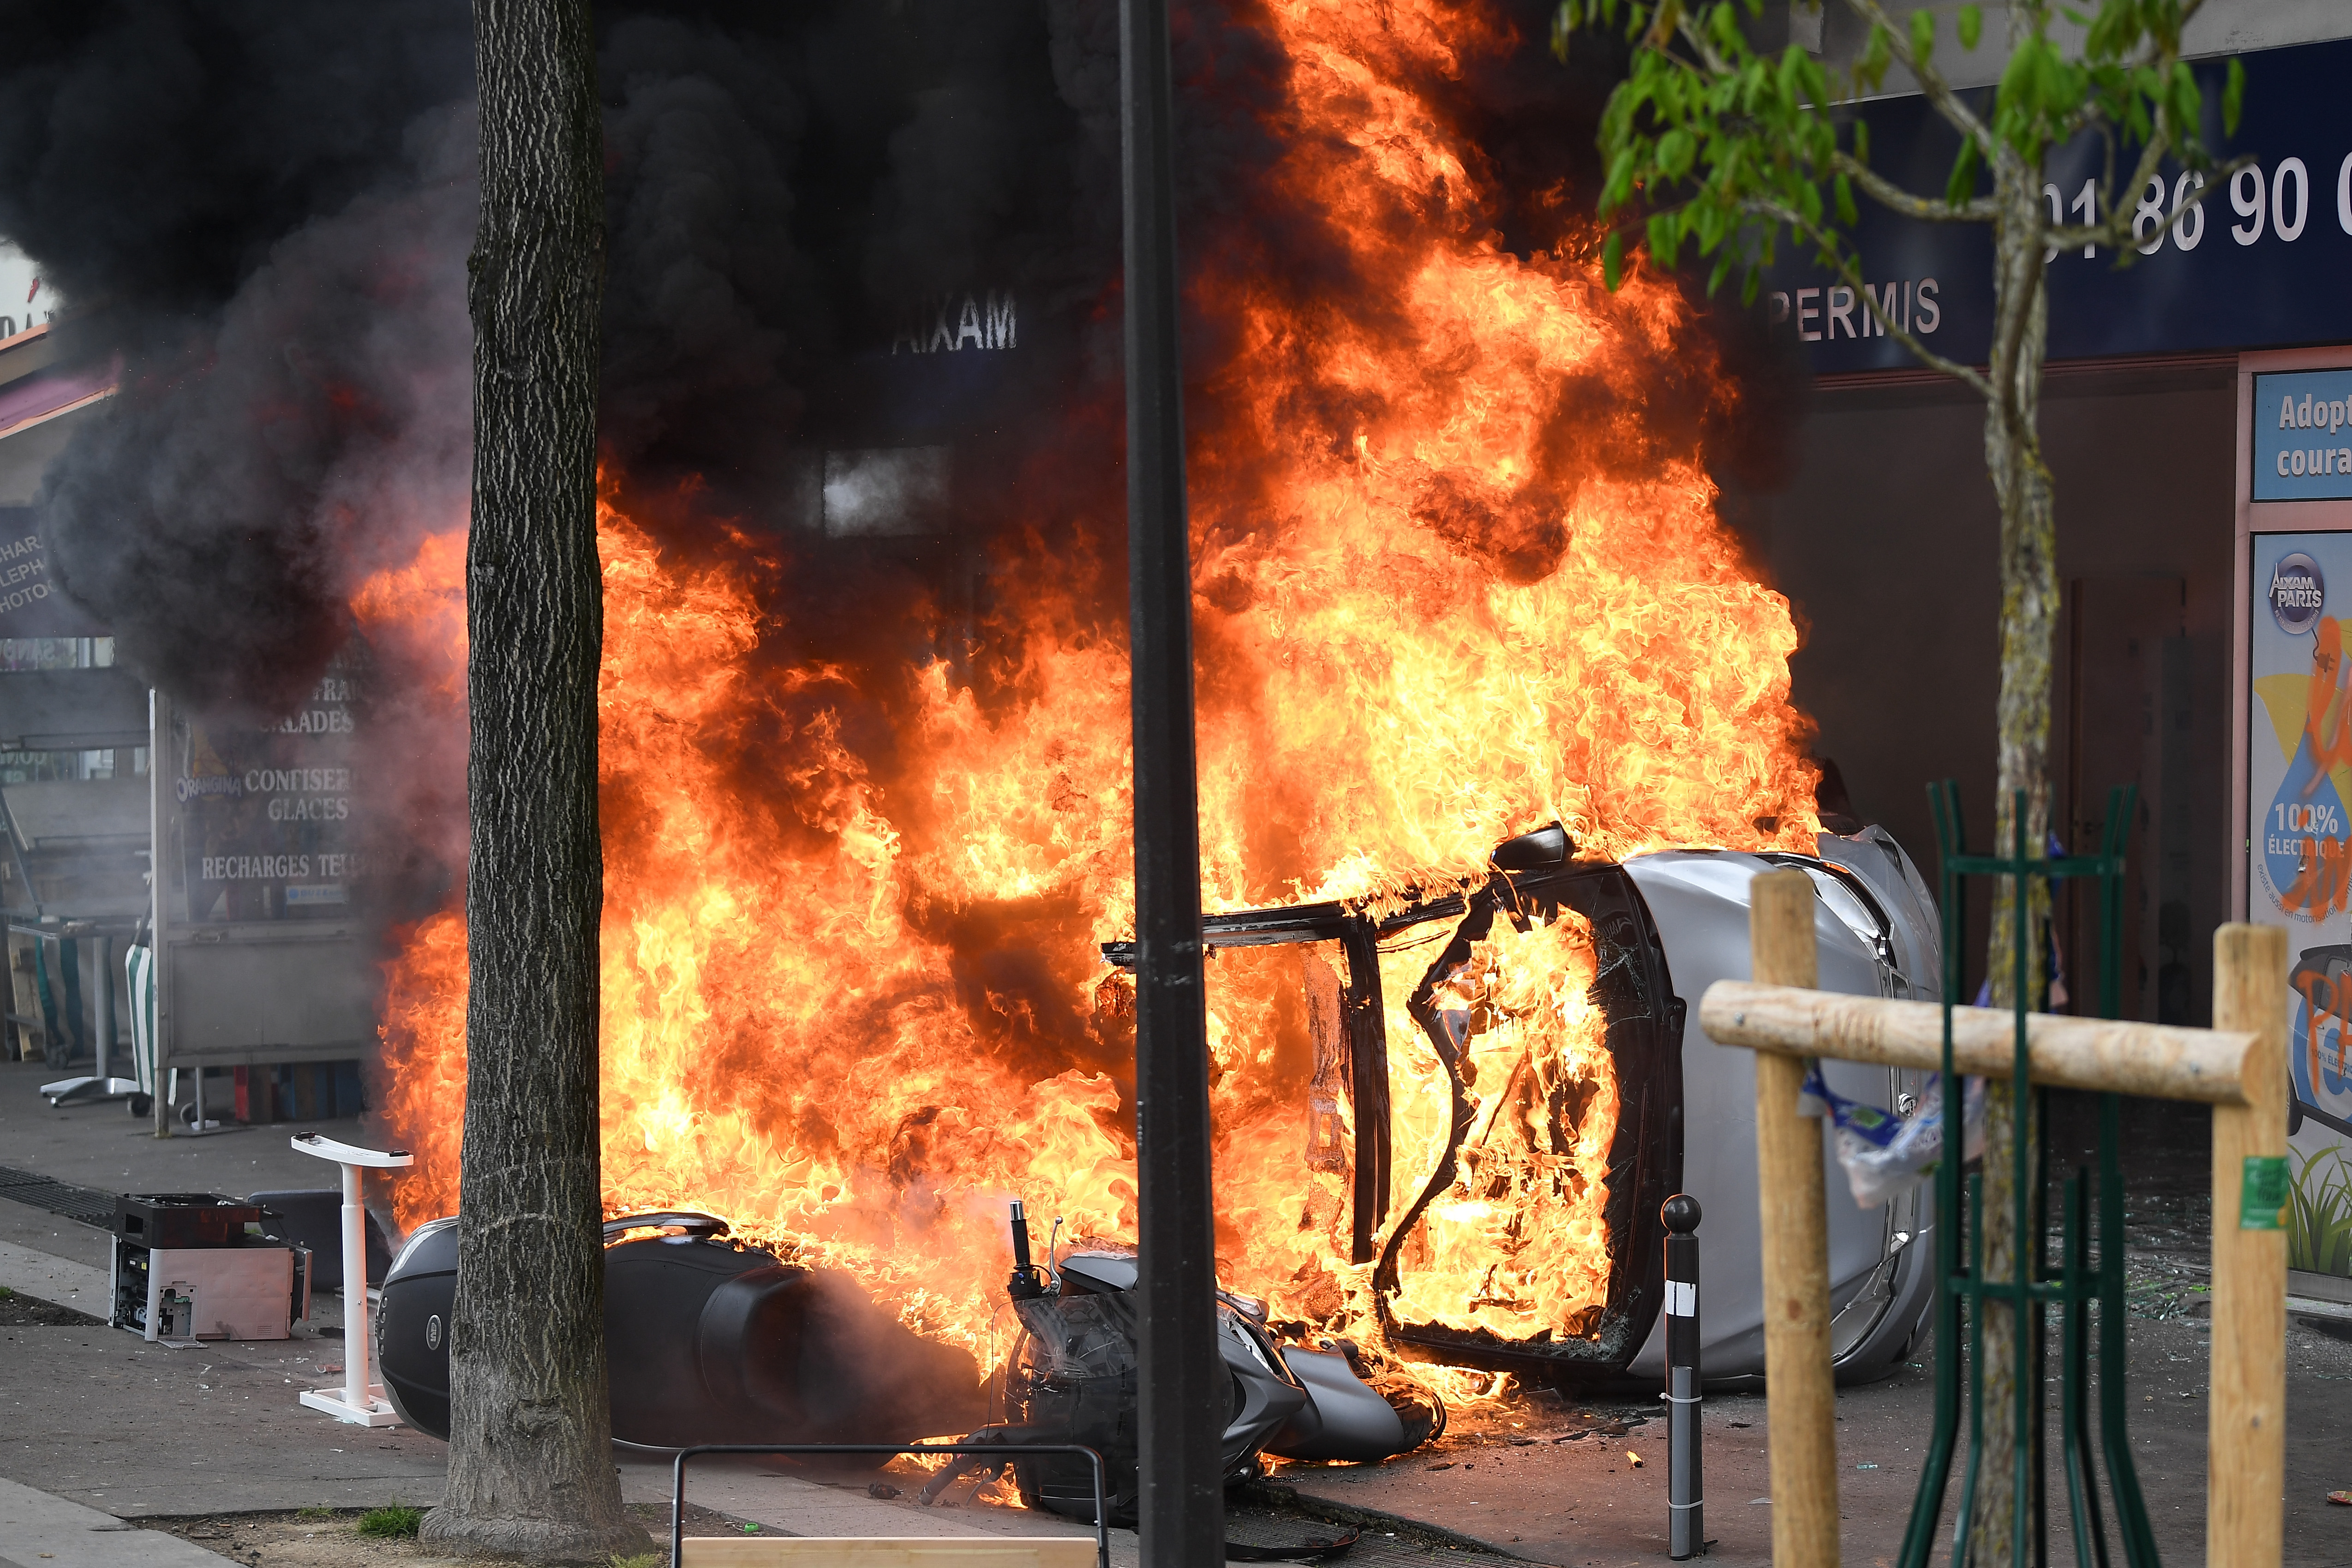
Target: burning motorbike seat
(807, 1351)
(707, 1340)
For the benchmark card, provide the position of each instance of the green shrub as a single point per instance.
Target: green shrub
(396, 1520)
(642, 1560)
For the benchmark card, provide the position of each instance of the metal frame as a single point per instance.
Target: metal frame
(1102, 1501)
(171, 936)
(100, 1084)
(2075, 1283)
(1647, 1151)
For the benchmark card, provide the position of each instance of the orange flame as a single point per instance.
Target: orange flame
(1415, 640)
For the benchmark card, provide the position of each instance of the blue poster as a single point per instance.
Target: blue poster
(2299, 846)
(2303, 436)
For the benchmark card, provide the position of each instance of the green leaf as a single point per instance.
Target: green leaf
(1923, 34)
(1676, 149)
(1845, 209)
(1620, 183)
(1613, 260)
(2233, 96)
(1789, 79)
(1861, 140)
(1971, 26)
(1723, 26)
(1963, 183)
(1666, 238)
(1875, 55)
(2187, 102)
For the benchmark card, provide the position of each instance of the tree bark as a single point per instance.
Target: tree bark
(2029, 614)
(531, 1468)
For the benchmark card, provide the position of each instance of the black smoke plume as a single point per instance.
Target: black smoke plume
(263, 211)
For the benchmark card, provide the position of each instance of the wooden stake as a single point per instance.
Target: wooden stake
(2245, 1463)
(1800, 1392)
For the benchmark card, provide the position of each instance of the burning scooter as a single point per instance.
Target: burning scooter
(1071, 1377)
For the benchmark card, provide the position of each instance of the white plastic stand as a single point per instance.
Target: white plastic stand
(361, 1399)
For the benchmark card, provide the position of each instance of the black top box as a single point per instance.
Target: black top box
(183, 1219)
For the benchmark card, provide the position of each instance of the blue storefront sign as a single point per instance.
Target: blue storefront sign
(2266, 262)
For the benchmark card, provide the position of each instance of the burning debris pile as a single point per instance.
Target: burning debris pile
(1458, 574)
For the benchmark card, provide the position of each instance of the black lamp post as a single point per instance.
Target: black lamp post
(1183, 1401)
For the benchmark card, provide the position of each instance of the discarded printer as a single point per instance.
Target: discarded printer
(200, 1266)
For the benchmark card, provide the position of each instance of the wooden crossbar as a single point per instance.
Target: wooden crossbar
(2158, 1061)
(847, 1552)
(2239, 1067)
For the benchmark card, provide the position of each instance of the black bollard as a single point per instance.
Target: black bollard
(1685, 1502)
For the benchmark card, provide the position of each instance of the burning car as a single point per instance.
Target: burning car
(1561, 1108)
(1524, 1094)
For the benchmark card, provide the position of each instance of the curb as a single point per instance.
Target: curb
(1277, 1495)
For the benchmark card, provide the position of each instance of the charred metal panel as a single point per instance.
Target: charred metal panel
(1368, 1083)
(1635, 996)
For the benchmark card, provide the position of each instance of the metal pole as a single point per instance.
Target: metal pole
(16, 855)
(1181, 1501)
(102, 947)
(1686, 1492)
(162, 766)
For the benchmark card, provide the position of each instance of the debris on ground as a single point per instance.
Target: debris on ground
(21, 1311)
(333, 1538)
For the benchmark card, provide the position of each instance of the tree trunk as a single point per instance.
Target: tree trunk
(530, 1467)
(2028, 613)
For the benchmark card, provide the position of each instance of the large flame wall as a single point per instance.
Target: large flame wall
(1427, 620)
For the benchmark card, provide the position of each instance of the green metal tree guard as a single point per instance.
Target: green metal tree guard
(2075, 1282)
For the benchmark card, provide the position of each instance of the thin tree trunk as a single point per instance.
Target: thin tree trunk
(531, 1468)
(2028, 613)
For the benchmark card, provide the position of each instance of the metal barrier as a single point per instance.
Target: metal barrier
(677, 1475)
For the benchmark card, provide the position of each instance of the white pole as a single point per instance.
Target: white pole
(355, 1298)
